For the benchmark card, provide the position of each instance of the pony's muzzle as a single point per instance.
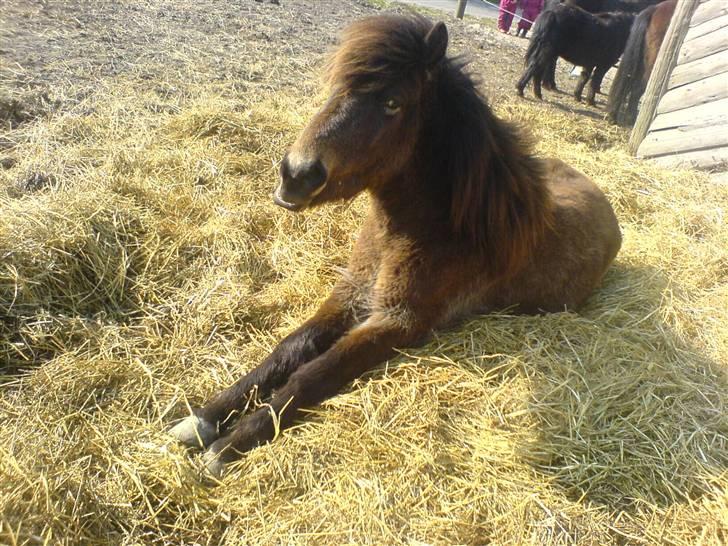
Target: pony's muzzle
(301, 181)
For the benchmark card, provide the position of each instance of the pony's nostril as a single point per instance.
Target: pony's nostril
(307, 176)
(316, 176)
(301, 181)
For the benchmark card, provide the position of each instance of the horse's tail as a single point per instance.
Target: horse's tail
(629, 84)
(540, 48)
(542, 36)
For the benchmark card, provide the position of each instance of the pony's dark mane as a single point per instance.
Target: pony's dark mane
(498, 197)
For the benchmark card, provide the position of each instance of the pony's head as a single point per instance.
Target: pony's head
(368, 128)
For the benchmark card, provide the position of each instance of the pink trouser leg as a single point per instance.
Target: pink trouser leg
(505, 18)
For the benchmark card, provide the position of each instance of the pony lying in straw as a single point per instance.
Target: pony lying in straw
(463, 220)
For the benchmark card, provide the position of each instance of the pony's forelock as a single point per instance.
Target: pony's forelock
(377, 51)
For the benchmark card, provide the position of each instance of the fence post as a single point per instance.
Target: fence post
(460, 9)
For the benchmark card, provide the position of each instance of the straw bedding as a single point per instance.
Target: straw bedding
(143, 267)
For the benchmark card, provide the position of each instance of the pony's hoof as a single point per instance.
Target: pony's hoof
(214, 464)
(194, 431)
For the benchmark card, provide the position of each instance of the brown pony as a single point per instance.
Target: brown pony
(463, 219)
(639, 57)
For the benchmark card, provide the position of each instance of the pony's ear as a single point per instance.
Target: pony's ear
(436, 43)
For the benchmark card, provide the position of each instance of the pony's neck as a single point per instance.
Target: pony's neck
(493, 186)
(472, 180)
(405, 206)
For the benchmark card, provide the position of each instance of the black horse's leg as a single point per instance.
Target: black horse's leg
(583, 78)
(358, 351)
(310, 340)
(527, 75)
(538, 79)
(549, 80)
(596, 83)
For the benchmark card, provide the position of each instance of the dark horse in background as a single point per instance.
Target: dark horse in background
(463, 219)
(594, 6)
(602, 6)
(592, 41)
(639, 57)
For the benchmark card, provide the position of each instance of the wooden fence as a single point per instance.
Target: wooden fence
(683, 119)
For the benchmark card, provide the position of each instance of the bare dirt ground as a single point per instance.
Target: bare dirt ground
(53, 55)
(143, 267)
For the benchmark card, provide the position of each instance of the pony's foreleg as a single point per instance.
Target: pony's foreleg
(358, 351)
(583, 78)
(596, 83)
(311, 339)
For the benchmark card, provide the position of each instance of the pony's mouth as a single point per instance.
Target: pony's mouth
(295, 206)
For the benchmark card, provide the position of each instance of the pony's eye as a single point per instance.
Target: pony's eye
(391, 107)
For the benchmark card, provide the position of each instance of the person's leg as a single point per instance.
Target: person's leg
(505, 15)
(531, 10)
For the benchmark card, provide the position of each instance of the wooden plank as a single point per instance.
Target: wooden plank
(710, 159)
(664, 64)
(708, 11)
(697, 70)
(706, 28)
(692, 94)
(703, 46)
(671, 141)
(703, 115)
